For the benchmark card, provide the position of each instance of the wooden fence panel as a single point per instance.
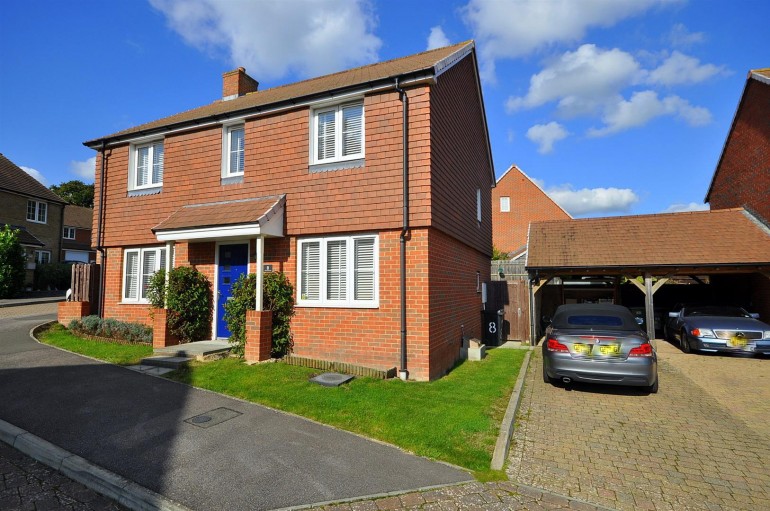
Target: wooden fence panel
(85, 283)
(513, 297)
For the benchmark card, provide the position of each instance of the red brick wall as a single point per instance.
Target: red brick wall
(528, 204)
(742, 178)
(459, 158)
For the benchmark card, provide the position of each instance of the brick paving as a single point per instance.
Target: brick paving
(28, 485)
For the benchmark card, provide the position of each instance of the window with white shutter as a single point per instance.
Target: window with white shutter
(139, 265)
(233, 150)
(146, 167)
(338, 272)
(338, 133)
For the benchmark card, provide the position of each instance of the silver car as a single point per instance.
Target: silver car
(718, 328)
(598, 343)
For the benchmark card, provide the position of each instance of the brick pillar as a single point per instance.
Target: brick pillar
(161, 336)
(67, 311)
(259, 336)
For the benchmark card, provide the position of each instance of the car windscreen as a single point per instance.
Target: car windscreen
(730, 312)
(594, 320)
(615, 319)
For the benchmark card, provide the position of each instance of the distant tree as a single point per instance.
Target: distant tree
(75, 192)
(498, 255)
(11, 263)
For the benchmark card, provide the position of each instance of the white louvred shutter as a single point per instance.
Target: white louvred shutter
(352, 130)
(142, 165)
(311, 271)
(236, 151)
(325, 138)
(132, 275)
(158, 155)
(364, 269)
(336, 270)
(149, 260)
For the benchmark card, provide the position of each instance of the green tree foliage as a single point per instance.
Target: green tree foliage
(189, 301)
(498, 255)
(12, 261)
(278, 297)
(75, 192)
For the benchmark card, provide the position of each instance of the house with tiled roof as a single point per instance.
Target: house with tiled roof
(370, 189)
(517, 200)
(76, 234)
(33, 209)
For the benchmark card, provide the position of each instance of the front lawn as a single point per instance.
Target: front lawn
(120, 354)
(455, 419)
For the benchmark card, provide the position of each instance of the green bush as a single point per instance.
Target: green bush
(189, 301)
(112, 328)
(12, 263)
(277, 296)
(53, 276)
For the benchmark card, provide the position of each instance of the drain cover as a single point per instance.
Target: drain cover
(331, 379)
(213, 417)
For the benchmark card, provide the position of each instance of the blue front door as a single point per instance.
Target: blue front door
(233, 262)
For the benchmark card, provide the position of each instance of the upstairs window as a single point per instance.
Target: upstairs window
(338, 272)
(505, 204)
(233, 151)
(147, 166)
(69, 233)
(139, 265)
(338, 133)
(37, 211)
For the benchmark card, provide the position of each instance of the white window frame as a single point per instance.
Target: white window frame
(140, 272)
(68, 230)
(337, 109)
(40, 209)
(227, 131)
(505, 204)
(350, 301)
(133, 162)
(39, 256)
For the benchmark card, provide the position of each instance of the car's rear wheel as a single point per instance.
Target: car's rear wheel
(683, 343)
(546, 378)
(654, 387)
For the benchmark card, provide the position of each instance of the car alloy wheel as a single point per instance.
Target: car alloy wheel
(683, 343)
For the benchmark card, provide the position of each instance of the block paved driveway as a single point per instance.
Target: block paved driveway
(702, 442)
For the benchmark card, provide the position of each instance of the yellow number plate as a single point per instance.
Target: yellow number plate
(581, 349)
(609, 349)
(737, 342)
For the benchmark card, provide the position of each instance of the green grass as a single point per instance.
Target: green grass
(455, 419)
(120, 354)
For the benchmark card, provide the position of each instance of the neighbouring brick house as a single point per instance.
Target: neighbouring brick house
(516, 201)
(307, 179)
(76, 235)
(33, 209)
(742, 175)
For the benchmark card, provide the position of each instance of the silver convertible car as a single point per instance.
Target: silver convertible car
(718, 328)
(598, 343)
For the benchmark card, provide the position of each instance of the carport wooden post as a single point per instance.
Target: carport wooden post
(649, 309)
(260, 257)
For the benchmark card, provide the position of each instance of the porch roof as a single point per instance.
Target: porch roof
(225, 220)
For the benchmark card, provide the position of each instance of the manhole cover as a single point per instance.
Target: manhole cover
(213, 417)
(331, 379)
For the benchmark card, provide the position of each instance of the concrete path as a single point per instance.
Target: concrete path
(144, 428)
(679, 449)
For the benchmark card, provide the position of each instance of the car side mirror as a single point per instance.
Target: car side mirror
(673, 314)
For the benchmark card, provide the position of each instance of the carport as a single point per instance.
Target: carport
(729, 246)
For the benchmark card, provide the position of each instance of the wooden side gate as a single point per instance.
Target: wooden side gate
(513, 297)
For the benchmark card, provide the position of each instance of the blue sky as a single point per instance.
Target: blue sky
(612, 106)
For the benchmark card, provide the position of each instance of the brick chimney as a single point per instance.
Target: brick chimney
(237, 83)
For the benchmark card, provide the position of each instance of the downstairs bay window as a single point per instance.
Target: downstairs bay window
(338, 272)
(139, 265)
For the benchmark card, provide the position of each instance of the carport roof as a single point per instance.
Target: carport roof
(703, 239)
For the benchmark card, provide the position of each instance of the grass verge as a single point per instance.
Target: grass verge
(455, 419)
(120, 354)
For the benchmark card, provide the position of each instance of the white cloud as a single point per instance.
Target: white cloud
(84, 169)
(36, 174)
(546, 135)
(437, 38)
(680, 36)
(519, 27)
(682, 69)
(272, 38)
(681, 208)
(645, 106)
(593, 200)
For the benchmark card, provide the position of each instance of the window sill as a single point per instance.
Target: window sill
(126, 302)
(306, 305)
(232, 180)
(337, 165)
(145, 191)
(36, 222)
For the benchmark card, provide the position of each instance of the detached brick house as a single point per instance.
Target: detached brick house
(33, 209)
(76, 234)
(308, 179)
(517, 201)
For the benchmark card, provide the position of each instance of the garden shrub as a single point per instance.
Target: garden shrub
(189, 302)
(277, 296)
(12, 263)
(53, 276)
(112, 328)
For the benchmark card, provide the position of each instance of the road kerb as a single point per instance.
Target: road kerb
(506, 428)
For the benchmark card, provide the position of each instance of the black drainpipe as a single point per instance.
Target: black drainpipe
(403, 373)
(99, 247)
